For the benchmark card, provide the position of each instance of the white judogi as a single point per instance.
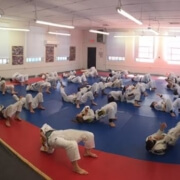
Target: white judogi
(83, 78)
(118, 83)
(132, 94)
(142, 78)
(164, 105)
(12, 109)
(97, 87)
(176, 104)
(92, 72)
(74, 79)
(29, 99)
(109, 109)
(117, 95)
(38, 85)
(8, 87)
(82, 98)
(169, 139)
(68, 98)
(89, 114)
(69, 74)
(68, 139)
(20, 77)
(171, 77)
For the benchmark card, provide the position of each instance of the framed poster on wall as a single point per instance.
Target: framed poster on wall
(17, 55)
(49, 53)
(72, 55)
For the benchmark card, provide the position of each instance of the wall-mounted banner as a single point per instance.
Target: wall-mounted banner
(17, 55)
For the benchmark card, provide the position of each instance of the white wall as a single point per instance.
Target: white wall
(15, 38)
(160, 66)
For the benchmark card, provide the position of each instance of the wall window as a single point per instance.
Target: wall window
(145, 48)
(115, 48)
(172, 50)
(38, 59)
(116, 58)
(4, 61)
(62, 58)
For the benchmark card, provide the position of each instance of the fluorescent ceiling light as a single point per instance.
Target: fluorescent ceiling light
(151, 30)
(124, 13)
(13, 29)
(53, 24)
(60, 34)
(126, 36)
(98, 32)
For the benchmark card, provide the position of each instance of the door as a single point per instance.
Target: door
(91, 57)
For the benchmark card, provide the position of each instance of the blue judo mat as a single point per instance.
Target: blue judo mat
(133, 124)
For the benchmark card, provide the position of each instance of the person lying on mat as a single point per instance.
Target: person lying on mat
(91, 72)
(165, 104)
(52, 78)
(68, 139)
(88, 115)
(21, 78)
(31, 103)
(4, 87)
(11, 111)
(39, 86)
(158, 142)
(78, 98)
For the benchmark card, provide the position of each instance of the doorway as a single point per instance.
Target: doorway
(91, 57)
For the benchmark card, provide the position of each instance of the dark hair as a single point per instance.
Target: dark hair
(152, 104)
(2, 78)
(10, 79)
(168, 86)
(175, 92)
(110, 75)
(110, 99)
(150, 144)
(79, 119)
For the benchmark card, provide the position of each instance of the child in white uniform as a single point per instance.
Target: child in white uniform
(165, 104)
(9, 112)
(68, 98)
(5, 88)
(31, 103)
(21, 78)
(86, 115)
(68, 139)
(38, 86)
(158, 142)
(109, 110)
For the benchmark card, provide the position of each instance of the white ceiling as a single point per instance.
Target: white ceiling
(85, 14)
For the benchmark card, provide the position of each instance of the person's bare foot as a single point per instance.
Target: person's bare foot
(112, 124)
(32, 111)
(77, 106)
(41, 107)
(14, 92)
(173, 114)
(93, 103)
(137, 105)
(48, 92)
(18, 119)
(80, 171)
(90, 154)
(7, 123)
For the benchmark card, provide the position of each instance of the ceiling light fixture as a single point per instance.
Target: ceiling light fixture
(14, 29)
(153, 31)
(53, 24)
(126, 36)
(60, 34)
(124, 13)
(98, 32)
